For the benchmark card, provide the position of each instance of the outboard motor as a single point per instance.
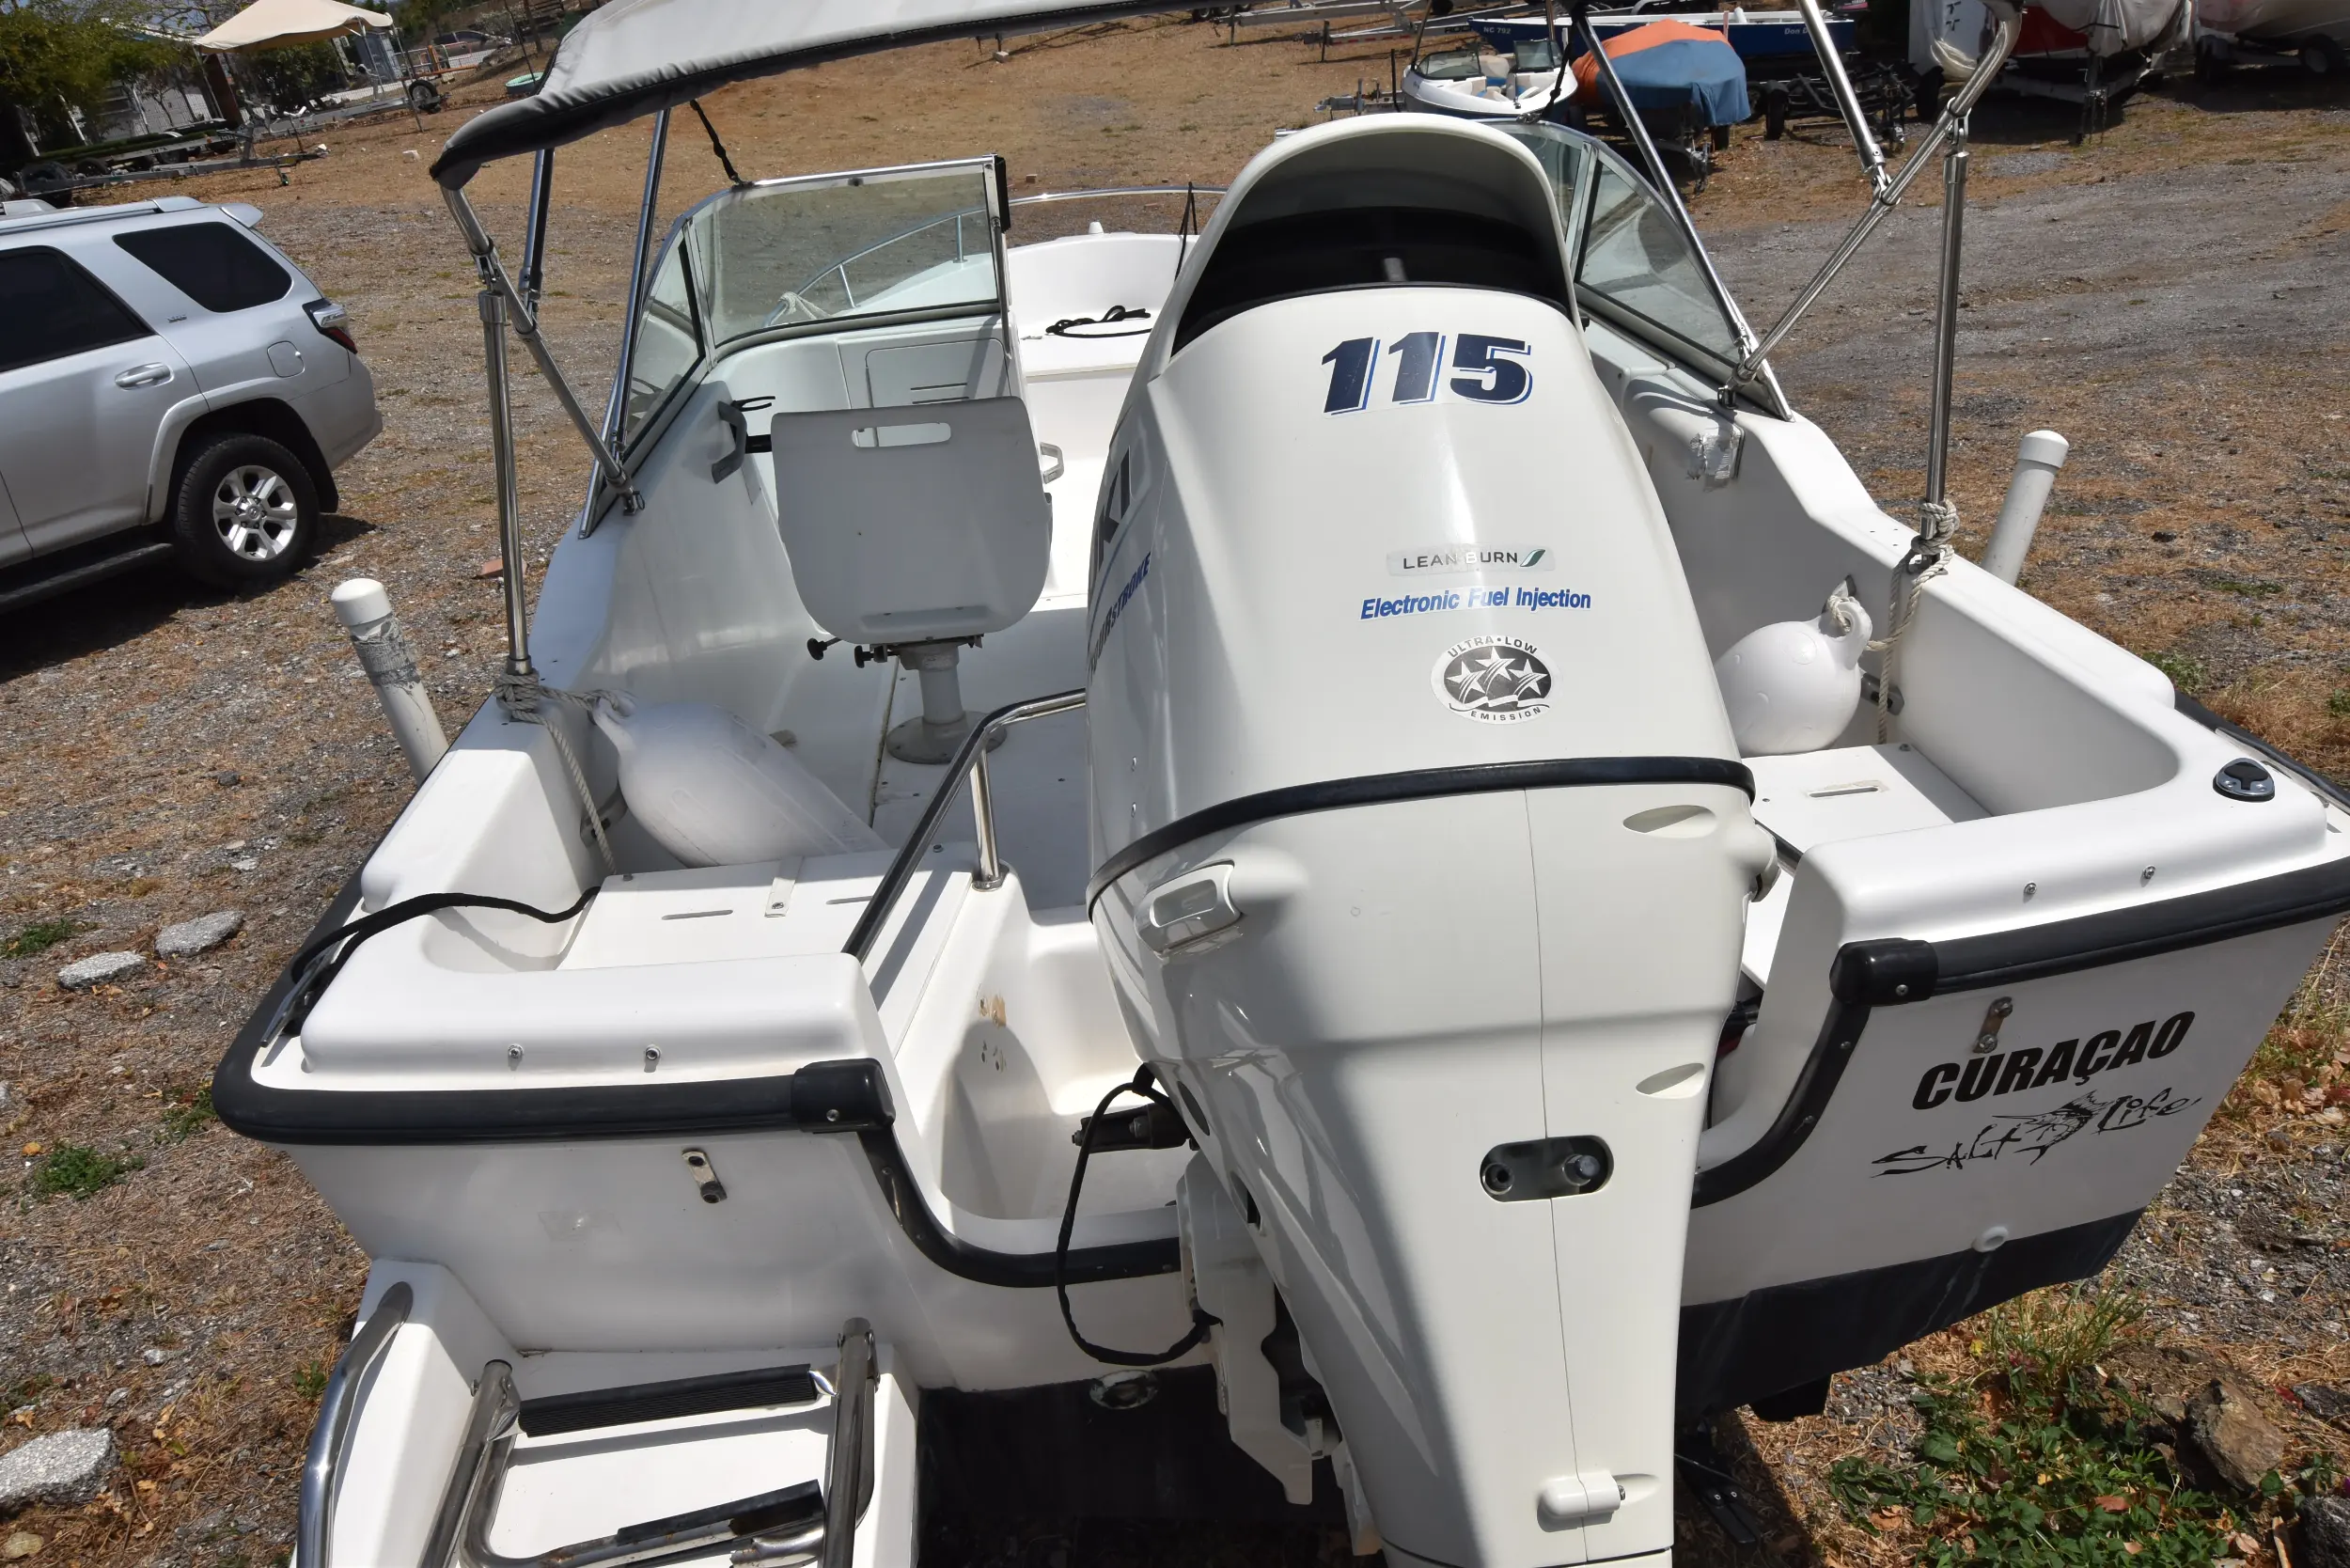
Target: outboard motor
(1424, 847)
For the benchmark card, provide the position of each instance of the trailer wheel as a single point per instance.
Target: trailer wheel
(2211, 67)
(1721, 138)
(2321, 57)
(1774, 111)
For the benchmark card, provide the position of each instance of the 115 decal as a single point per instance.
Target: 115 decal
(1488, 370)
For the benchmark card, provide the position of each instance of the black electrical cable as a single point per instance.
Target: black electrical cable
(1201, 1322)
(715, 144)
(312, 976)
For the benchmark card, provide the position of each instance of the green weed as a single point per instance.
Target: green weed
(78, 1170)
(310, 1382)
(2040, 1462)
(2248, 588)
(185, 1117)
(2338, 703)
(39, 937)
(2187, 671)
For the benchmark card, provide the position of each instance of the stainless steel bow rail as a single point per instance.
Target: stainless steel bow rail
(339, 1410)
(969, 762)
(794, 1524)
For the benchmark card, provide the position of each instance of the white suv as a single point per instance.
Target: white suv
(168, 383)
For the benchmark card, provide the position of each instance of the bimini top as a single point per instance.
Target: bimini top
(635, 57)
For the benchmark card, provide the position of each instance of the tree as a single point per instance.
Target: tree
(62, 55)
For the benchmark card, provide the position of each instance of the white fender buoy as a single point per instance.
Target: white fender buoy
(1794, 686)
(714, 792)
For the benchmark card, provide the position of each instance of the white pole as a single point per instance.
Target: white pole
(365, 611)
(2037, 460)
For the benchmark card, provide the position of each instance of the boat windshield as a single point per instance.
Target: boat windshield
(1453, 65)
(1633, 263)
(830, 250)
(795, 251)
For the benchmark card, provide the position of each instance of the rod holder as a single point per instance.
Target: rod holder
(2037, 460)
(365, 611)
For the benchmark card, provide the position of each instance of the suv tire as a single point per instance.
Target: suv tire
(246, 512)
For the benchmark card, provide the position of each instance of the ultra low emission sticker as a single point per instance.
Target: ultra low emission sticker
(2031, 1135)
(1493, 679)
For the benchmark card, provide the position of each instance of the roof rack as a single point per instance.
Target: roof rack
(20, 223)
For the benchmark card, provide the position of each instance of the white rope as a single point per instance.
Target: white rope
(520, 695)
(1928, 557)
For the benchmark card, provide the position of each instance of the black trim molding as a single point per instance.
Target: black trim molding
(822, 1097)
(1735, 1352)
(2144, 931)
(1892, 971)
(1418, 784)
(1815, 1085)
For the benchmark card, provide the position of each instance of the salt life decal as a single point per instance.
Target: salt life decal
(1486, 370)
(2005, 1072)
(2031, 1137)
(1475, 599)
(1438, 560)
(1493, 680)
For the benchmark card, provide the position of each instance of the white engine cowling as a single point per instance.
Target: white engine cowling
(1424, 849)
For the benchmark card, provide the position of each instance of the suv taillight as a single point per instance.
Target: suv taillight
(332, 319)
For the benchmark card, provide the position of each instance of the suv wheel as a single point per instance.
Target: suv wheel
(246, 512)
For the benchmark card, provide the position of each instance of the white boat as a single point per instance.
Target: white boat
(2279, 22)
(1474, 79)
(1381, 977)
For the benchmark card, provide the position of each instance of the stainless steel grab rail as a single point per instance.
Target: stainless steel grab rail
(849, 1458)
(970, 761)
(339, 1412)
(468, 1507)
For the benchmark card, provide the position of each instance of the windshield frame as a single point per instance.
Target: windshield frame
(649, 431)
(1762, 393)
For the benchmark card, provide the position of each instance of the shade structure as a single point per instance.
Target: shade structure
(631, 58)
(1673, 65)
(281, 23)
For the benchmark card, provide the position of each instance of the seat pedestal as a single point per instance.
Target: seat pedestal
(934, 734)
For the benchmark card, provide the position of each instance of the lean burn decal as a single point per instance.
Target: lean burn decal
(2031, 1067)
(1493, 680)
(1441, 559)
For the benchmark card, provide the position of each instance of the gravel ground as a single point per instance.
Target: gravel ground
(173, 751)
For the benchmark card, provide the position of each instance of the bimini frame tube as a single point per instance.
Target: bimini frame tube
(525, 322)
(1953, 116)
(1847, 101)
(534, 235)
(639, 267)
(1946, 316)
(1620, 105)
(492, 308)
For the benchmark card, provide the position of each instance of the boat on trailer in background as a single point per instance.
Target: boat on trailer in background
(1504, 905)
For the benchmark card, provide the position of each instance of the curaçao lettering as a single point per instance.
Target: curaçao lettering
(1475, 599)
(2036, 1067)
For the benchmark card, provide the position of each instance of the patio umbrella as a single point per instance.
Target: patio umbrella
(282, 24)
